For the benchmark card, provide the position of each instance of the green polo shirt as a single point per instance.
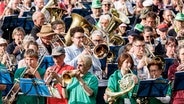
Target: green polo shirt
(114, 86)
(77, 94)
(25, 99)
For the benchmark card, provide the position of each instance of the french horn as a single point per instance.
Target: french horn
(126, 84)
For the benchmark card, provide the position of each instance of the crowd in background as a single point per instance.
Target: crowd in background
(143, 38)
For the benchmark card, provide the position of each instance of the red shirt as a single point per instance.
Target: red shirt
(59, 70)
(2, 7)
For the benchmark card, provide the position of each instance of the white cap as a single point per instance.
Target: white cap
(147, 3)
(3, 41)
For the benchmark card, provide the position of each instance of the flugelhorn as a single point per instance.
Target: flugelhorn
(68, 75)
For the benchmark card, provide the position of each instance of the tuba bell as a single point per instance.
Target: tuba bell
(56, 13)
(77, 20)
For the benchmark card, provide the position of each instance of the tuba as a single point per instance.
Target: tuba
(56, 13)
(126, 84)
(77, 20)
(49, 4)
(117, 40)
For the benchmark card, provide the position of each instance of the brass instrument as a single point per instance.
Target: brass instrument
(117, 40)
(101, 51)
(77, 20)
(22, 7)
(55, 39)
(67, 77)
(10, 97)
(110, 57)
(10, 62)
(126, 84)
(55, 13)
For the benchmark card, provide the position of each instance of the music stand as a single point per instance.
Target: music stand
(5, 76)
(153, 88)
(28, 25)
(179, 81)
(34, 87)
(111, 67)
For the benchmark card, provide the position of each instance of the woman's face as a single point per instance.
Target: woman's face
(126, 65)
(171, 49)
(181, 55)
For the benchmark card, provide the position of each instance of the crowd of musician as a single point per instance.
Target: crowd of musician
(99, 54)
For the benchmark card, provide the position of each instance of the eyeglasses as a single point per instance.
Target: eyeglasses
(97, 40)
(140, 45)
(107, 4)
(80, 65)
(81, 37)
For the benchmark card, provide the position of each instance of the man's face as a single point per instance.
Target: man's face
(59, 59)
(171, 48)
(78, 39)
(47, 39)
(96, 12)
(97, 39)
(104, 23)
(147, 36)
(139, 48)
(106, 8)
(31, 61)
(168, 16)
(40, 20)
(59, 29)
(150, 22)
(40, 4)
(155, 72)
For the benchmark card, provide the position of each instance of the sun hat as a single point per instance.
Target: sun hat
(46, 30)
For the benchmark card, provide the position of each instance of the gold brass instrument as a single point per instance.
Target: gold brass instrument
(22, 7)
(117, 40)
(55, 13)
(77, 20)
(101, 51)
(110, 57)
(10, 62)
(67, 77)
(55, 40)
(126, 84)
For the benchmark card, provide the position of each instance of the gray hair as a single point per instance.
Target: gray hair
(97, 33)
(105, 16)
(86, 59)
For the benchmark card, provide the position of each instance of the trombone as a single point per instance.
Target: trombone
(10, 97)
(56, 41)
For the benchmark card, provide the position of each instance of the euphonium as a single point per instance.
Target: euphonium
(67, 77)
(117, 40)
(77, 20)
(126, 84)
(101, 51)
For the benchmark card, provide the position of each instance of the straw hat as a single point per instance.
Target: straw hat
(46, 30)
(96, 4)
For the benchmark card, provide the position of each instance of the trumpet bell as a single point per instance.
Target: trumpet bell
(67, 77)
(110, 57)
(101, 51)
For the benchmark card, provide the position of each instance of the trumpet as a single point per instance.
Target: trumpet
(49, 78)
